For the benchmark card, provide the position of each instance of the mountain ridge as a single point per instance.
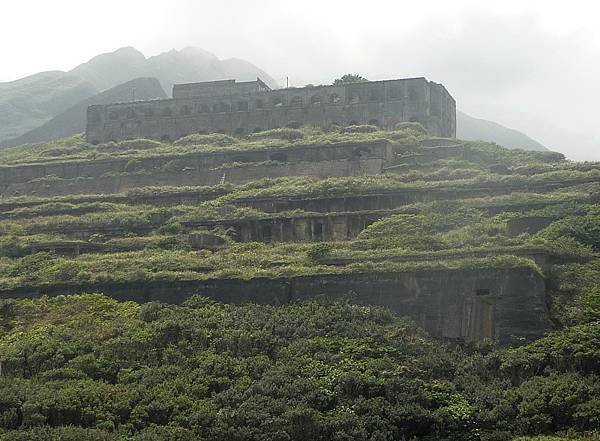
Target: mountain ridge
(30, 102)
(474, 129)
(73, 120)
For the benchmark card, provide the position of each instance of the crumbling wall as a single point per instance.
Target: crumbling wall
(468, 304)
(120, 174)
(382, 103)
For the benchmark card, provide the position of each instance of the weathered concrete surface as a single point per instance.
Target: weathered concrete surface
(469, 304)
(223, 107)
(528, 224)
(201, 168)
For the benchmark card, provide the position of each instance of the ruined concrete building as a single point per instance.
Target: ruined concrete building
(237, 108)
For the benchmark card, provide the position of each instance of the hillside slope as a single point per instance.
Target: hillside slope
(470, 128)
(30, 102)
(187, 65)
(73, 120)
(348, 283)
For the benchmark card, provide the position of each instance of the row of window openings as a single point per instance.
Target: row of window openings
(241, 130)
(241, 106)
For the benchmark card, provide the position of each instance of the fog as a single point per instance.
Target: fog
(534, 67)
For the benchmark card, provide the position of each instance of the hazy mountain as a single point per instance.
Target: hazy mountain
(73, 120)
(30, 102)
(470, 128)
(188, 65)
(107, 70)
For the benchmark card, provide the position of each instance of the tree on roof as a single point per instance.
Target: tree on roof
(348, 79)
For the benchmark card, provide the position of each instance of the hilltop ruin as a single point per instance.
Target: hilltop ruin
(239, 108)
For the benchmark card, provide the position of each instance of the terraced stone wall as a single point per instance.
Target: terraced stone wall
(499, 304)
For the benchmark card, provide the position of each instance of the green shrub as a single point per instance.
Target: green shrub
(286, 134)
(318, 251)
(139, 144)
(411, 127)
(216, 139)
(133, 165)
(365, 128)
(584, 229)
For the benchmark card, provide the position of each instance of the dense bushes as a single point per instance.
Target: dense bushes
(206, 139)
(287, 134)
(584, 229)
(365, 128)
(86, 367)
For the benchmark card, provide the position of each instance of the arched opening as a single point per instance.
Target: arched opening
(242, 106)
(167, 112)
(130, 113)
(296, 101)
(220, 107)
(266, 233)
(317, 231)
(334, 98)
(113, 115)
(315, 100)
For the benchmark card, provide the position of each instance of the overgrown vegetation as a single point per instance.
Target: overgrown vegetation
(85, 367)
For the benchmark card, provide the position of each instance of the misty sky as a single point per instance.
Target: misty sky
(531, 65)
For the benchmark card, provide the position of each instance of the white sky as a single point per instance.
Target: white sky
(532, 65)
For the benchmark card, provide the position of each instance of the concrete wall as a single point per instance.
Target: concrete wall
(500, 304)
(314, 228)
(218, 88)
(344, 159)
(528, 224)
(384, 103)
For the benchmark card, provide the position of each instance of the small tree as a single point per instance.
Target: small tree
(348, 79)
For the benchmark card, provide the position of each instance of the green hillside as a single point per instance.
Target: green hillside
(468, 127)
(29, 103)
(247, 288)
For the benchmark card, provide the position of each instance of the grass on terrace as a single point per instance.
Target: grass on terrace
(405, 138)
